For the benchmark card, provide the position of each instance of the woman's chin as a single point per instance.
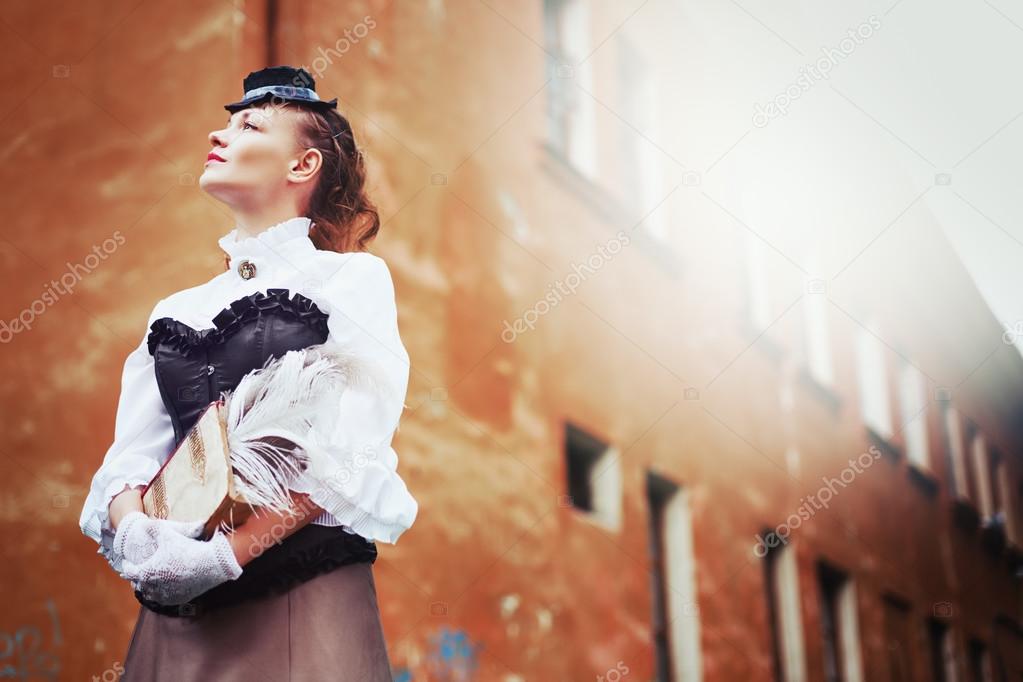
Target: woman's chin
(211, 183)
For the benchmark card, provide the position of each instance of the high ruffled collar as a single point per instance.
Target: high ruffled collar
(274, 240)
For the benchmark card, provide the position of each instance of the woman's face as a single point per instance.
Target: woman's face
(260, 156)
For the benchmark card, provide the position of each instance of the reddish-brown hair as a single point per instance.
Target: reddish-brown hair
(344, 217)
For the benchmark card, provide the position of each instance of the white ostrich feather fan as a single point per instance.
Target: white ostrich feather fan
(292, 399)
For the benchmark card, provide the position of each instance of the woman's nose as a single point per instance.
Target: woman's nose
(216, 138)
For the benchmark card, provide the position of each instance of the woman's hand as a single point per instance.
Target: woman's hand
(182, 567)
(139, 536)
(174, 570)
(128, 500)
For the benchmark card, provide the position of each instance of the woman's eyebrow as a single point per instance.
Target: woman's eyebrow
(249, 113)
(245, 114)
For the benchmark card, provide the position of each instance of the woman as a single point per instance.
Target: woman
(280, 597)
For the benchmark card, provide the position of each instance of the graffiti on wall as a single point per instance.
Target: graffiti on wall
(453, 656)
(23, 654)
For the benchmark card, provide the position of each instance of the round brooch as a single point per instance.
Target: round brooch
(247, 269)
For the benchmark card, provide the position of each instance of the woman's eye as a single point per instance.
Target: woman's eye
(249, 125)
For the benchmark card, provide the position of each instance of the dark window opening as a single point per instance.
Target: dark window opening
(897, 638)
(830, 581)
(582, 451)
(976, 661)
(773, 544)
(659, 491)
(938, 641)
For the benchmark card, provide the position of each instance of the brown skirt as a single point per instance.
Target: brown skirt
(327, 627)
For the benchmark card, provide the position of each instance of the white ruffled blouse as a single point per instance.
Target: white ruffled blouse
(365, 496)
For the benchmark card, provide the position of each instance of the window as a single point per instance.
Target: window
(594, 477)
(676, 622)
(758, 296)
(513, 212)
(970, 435)
(839, 625)
(942, 654)
(644, 182)
(913, 409)
(815, 327)
(981, 473)
(1006, 648)
(570, 110)
(781, 581)
(978, 661)
(1002, 493)
(897, 639)
(873, 384)
(994, 462)
(955, 462)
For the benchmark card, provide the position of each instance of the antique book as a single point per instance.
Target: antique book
(197, 482)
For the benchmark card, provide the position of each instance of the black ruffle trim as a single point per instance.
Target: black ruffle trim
(228, 321)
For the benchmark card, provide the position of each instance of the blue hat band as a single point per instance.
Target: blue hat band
(283, 91)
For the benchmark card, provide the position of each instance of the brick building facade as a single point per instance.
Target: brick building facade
(699, 389)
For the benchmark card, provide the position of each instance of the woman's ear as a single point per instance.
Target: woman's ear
(304, 167)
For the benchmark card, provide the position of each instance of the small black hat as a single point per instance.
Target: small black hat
(282, 83)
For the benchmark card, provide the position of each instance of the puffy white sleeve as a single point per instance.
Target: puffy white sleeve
(143, 439)
(355, 478)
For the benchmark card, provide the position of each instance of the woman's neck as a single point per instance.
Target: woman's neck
(252, 224)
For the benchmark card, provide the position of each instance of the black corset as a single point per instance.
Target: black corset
(192, 367)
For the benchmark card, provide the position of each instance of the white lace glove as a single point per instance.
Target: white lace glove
(138, 536)
(183, 567)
